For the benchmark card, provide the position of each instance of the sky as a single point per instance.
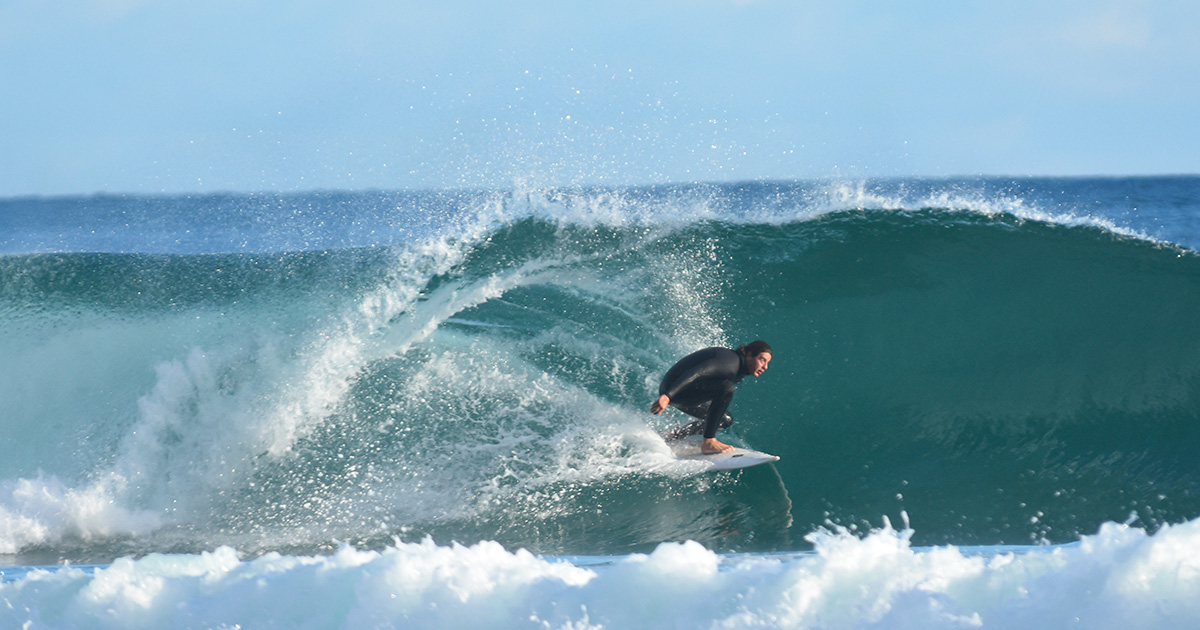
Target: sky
(178, 96)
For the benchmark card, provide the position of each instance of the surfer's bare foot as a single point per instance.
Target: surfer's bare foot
(711, 445)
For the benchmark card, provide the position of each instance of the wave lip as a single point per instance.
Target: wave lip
(1158, 209)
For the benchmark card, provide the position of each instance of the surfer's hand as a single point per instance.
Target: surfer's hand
(660, 404)
(711, 445)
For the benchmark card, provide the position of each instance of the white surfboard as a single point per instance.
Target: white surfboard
(729, 460)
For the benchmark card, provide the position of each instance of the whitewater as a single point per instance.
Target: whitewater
(428, 409)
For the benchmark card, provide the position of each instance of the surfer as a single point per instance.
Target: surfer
(701, 385)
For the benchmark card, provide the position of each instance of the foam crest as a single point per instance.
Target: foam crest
(976, 198)
(43, 510)
(1120, 577)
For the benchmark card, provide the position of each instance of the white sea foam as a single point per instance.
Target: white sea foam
(43, 508)
(1119, 578)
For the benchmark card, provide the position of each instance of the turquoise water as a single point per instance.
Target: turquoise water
(996, 362)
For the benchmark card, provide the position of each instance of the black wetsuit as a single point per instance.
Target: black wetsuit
(701, 385)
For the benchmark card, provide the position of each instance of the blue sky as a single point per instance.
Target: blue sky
(148, 96)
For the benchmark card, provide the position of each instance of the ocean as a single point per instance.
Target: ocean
(429, 409)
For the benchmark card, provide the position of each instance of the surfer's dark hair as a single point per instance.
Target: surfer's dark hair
(754, 348)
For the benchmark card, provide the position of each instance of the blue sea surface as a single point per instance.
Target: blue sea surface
(422, 409)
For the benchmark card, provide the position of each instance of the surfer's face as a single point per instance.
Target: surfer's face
(757, 363)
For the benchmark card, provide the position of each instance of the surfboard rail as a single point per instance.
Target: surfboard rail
(729, 460)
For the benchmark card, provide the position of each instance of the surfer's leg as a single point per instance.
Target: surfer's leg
(684, 430)
(698, 411)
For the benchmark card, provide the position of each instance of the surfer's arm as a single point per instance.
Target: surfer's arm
(660, 404)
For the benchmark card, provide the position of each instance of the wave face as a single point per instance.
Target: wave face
(998, 365)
